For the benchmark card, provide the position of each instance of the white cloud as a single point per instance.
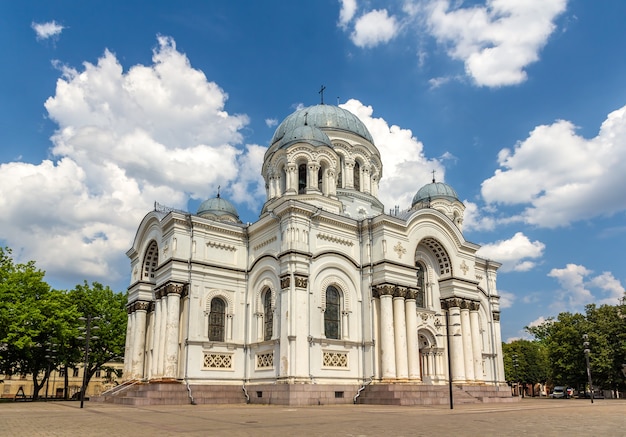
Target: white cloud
(562, 177)
(124, 139)
(374, 28)
(271, 122)
(347, 11)
(47, 30)
(537, 322)
(506, 299)
(496, 41)
(405, 167)
(576, 291)
(513, 253)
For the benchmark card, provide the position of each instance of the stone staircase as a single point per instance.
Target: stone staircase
(173, 393)
(412, 394)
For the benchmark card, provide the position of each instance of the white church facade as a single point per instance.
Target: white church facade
(325, 296)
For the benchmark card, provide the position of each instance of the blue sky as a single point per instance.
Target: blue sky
(107, 107)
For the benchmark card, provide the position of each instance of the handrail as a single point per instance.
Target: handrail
(119, 388)
(358, 393)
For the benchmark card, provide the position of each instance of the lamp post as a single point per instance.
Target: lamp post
(88, 328)
(515, 373)
(586, 351)
(50, 355)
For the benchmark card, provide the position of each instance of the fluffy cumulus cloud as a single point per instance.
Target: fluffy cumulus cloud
(346, 12)
(496, 41)
(125, 139)
(47, 30)
(517, 253)
(579, 288)
(405, 167)
(559, 177)
(374, 28)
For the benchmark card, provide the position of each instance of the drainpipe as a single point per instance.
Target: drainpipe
(189, 290)
(246, 339)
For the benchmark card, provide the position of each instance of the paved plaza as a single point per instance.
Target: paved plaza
(530, 417)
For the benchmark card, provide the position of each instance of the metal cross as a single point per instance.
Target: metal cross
(321, 93)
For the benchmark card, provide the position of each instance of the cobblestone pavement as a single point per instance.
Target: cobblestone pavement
(530, 417)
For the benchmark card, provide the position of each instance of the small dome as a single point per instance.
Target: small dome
(435, 190)
(308, 134)
(323, 116)
(218, 208)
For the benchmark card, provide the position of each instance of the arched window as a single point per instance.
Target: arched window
(301, 178)
(332, 313)
(357, 176)
(217, 319)
(268, 316)
(150, 262)
(419, 299)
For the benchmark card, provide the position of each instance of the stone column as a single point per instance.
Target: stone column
(156, 337)
(399, 330)
(162, 328)
(311, 185)
(411, 335)
(457, 361)
(498, 357)
(174, 292)
(476, 342)
(387, 346)
(466, 332)
(348, 178)
(366, 182)
(128, 347)
(291, 182)
(139, 340)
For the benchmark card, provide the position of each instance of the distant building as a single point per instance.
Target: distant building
(325, 292)
(17, 386)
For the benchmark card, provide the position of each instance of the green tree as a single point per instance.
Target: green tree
(526, 362)
(107, 311)
(607, 343)
(33, 319)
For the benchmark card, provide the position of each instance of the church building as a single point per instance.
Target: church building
(326, 298)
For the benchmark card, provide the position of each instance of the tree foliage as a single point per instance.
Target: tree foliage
(106, 311)
(563, 339)
(39, 326)
(34, 319)
(526, 362)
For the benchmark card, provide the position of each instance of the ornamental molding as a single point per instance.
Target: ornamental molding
(221, 246)
(265, 243)
(461, 303)
(333, 239)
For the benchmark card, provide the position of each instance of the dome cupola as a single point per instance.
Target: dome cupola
(218, 209)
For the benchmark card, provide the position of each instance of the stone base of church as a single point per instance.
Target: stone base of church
(175, 393)
(423, 394)
(302, 394)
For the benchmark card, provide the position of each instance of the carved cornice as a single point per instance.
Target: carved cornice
(285, 282)
(333, 239)
(221, 246)
(265, 243)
